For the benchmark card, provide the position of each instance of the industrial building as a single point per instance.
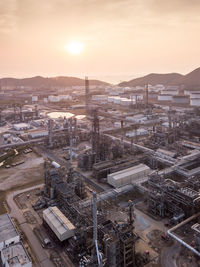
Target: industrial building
(111, 172)
(180, 99)
(128, 176)
(8, 232)
(164, 97)
(21, 126)
(15, 255)
(58, 223)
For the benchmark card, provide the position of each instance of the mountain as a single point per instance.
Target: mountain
(190, 80)
(39, 81)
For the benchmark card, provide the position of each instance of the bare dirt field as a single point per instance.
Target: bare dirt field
(18, 177)
(31, 170)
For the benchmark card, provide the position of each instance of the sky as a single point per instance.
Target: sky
(120, 38)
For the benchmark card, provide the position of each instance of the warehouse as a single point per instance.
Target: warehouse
(195, 102)
(8, 232)
(37, 134)
(180, 99)
(164, 97)
(128, 176)
(21, 126)
(58, 223)
(15, 256)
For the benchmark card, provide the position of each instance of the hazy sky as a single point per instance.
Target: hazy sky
(120, 37)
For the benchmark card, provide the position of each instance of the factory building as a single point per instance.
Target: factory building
(195, 102)
(34, 98)
(99, 97)
(128, 176)
(169, 92)
(58, 223)
(15, 255)
(8, 232)
(180, 99)
(21, 126)
(165, 97)
(58, 98)
(37, 134)
(195, 99)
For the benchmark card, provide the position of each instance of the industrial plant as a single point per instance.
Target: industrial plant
(100, 176)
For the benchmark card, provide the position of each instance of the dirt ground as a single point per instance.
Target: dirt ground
(31, 170)
(27, 174)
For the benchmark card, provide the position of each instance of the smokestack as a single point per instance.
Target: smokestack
(86, 93)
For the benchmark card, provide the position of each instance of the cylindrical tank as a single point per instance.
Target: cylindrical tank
(55, 164)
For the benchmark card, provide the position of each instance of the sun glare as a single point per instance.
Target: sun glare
(74, 48)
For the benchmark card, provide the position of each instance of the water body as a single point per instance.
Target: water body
(67, 115)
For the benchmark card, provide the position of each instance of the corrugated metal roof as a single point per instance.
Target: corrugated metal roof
(7, 228)
(129, 171)
(58, 219)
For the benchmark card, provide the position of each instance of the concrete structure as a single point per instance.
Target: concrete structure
(58, 223)
(15, 256)
(128, 176)
(21, 126)
(8, 232)
(180, 99)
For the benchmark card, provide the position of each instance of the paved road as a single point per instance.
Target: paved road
(15, 212)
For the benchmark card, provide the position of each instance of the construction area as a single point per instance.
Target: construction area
(103, 186)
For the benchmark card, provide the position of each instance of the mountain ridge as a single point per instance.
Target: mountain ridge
(40, 81)
(192, 79)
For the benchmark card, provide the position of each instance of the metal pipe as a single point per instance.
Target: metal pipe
(169, 232)
(196, 199)
(95, 228)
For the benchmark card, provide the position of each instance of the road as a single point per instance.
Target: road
(169, 255)
(15, 212)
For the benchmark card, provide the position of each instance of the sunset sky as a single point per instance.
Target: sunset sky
(117, 37)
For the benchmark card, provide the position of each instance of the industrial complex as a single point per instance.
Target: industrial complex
(100, 176)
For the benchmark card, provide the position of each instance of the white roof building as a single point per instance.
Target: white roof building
(58, 223)
(169, 92)
(8, 232)
(21, 126)
(15, 256)
(195, 102)
(128, 176)
(165, 97)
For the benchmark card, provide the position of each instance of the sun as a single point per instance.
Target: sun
(74, 48)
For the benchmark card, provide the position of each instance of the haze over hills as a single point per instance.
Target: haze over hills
(39, 81)
(190, 80)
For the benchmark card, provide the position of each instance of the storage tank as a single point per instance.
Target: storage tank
(55, 164)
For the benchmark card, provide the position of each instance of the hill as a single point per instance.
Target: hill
(190, 80)
(39, 81)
